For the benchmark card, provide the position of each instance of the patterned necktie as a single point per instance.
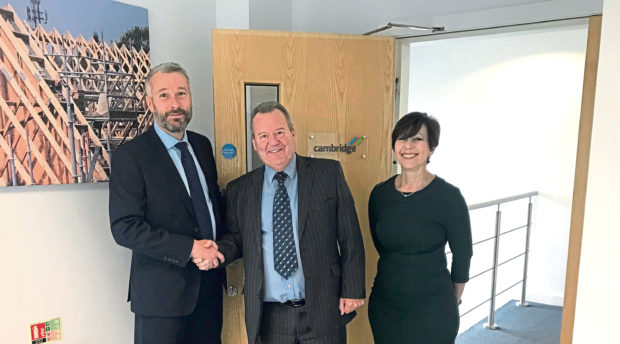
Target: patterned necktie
(284, 253)
(199, 202)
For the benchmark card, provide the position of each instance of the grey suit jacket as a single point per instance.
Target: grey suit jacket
(331, 246)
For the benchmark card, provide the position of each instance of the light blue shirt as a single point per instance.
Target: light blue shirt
(175, 154)
(278, 289)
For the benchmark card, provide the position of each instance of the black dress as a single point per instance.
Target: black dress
(412, 299)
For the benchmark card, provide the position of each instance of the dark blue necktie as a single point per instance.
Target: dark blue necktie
(284, 253)
(199, 202)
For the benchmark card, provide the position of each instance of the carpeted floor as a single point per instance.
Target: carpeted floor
(537, 323)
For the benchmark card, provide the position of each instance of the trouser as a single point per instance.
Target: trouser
(202, 326)
(282, 324)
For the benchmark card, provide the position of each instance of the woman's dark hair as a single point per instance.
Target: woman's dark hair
(411, 123)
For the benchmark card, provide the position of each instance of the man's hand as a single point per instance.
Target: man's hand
(349, 305)
(205, 254)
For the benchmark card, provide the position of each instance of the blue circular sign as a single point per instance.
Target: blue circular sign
(229, 151)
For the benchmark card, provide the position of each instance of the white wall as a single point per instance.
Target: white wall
(270, 15)
(232, 14)
(509, 108)
(599, 277)
(59, 260)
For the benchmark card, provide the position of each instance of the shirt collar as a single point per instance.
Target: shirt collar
(168, 140)
(290, 170)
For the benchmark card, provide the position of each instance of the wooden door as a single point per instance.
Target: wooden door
(339, 90)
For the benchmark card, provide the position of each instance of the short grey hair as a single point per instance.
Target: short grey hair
(268, 107)
(166, 67)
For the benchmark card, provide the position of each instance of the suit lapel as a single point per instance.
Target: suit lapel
(255, 198)
(305, 181)
(164, 162)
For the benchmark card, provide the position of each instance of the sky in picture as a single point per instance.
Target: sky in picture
(85, 16)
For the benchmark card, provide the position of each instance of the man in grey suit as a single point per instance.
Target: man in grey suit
(166, 206)
(294, 222)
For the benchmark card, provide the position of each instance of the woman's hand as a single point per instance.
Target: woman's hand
(458, 291)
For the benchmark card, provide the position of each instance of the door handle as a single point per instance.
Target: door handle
(231, 291)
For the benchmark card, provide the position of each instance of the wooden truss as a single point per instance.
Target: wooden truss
(65, 103)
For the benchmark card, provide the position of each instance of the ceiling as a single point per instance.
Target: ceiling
(361, 16)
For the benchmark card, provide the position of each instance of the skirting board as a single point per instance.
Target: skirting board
(552, 300)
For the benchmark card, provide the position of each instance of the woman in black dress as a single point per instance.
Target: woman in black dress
(412, 216)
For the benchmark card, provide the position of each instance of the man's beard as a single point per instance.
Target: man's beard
(174, 126)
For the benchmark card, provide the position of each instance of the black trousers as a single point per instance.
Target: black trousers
(202, 326)
(283, 324)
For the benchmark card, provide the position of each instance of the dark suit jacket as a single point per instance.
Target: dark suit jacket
(331, 246)
(151, 213)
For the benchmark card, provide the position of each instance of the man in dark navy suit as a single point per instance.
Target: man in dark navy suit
(165, 205)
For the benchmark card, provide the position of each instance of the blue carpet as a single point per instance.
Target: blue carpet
(537, 323)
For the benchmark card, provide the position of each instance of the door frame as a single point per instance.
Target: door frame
(583, 141)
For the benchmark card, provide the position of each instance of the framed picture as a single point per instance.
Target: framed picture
(71, 88)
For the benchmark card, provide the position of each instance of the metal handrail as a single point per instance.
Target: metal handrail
(502, 200)
(498, 265)
(498, 233)
(493, 237)
(487, 300)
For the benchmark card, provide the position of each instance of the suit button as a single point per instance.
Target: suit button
(196, 229)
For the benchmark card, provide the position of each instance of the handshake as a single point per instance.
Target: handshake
(205, 254)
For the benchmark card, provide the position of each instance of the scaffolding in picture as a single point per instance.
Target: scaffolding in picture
(66, 103)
